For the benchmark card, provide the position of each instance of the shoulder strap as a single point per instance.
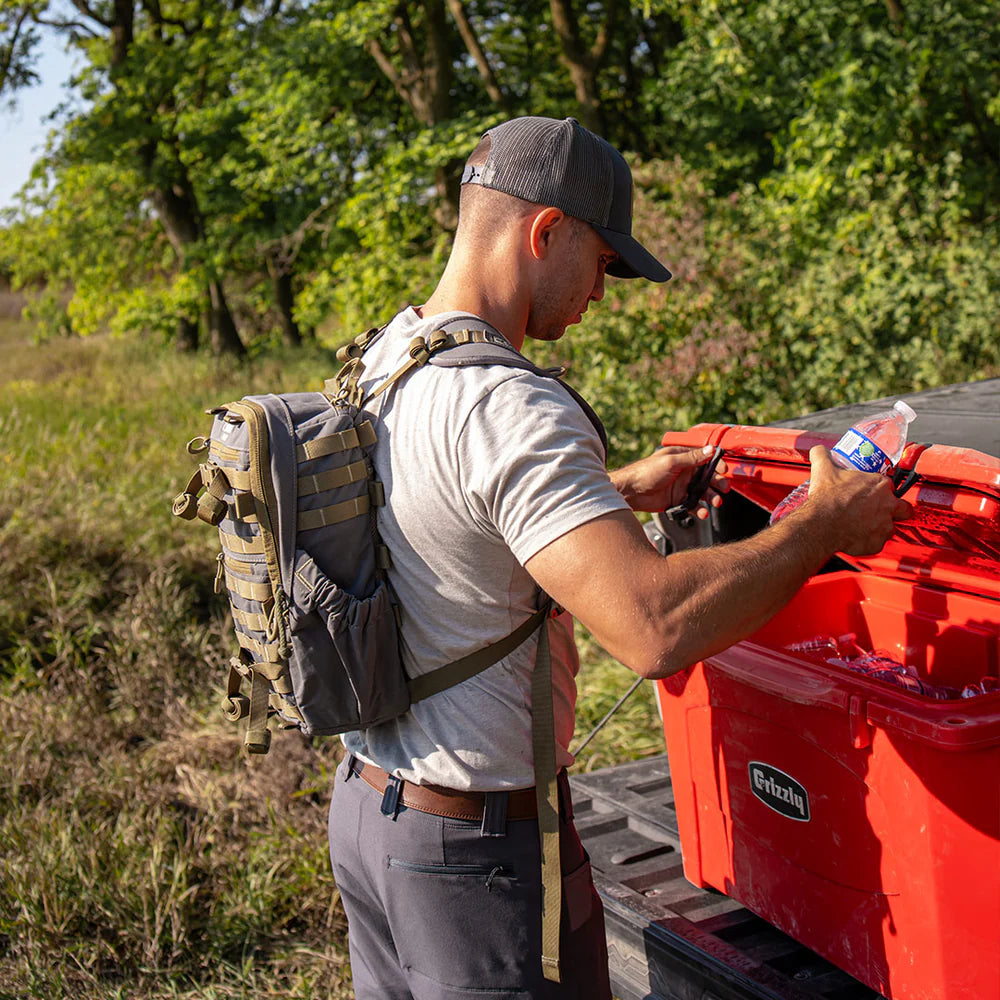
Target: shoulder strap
(495, 349)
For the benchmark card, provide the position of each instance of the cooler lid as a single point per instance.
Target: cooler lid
(953, 538)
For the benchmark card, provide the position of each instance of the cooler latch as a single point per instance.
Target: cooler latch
(861, 730)
(905, 476)
(682, 513)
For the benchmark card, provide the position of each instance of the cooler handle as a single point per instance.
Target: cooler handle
(963, 726)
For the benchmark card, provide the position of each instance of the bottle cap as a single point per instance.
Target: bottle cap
(905, 409)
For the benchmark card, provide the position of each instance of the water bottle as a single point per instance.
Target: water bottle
(872, 445)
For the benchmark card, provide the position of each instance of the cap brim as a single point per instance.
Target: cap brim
(634, 260)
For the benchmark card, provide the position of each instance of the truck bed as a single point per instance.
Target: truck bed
(668, 940)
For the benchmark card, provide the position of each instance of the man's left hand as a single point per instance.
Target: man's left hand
(661, 480)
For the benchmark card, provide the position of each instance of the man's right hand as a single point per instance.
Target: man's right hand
(860, 506)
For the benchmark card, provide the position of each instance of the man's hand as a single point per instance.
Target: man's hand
(860, 507)
(660, 481)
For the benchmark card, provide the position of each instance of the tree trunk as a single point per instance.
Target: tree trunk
(284, 298)
(424, 83)
(187, 334)
(176, 208)
(583, 63)
(222, 329)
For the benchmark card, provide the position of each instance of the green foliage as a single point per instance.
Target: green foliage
(822, 177)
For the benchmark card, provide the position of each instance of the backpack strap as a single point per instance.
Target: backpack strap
(481, 344)
(475, 663)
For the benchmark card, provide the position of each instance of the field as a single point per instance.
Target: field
(143, 854)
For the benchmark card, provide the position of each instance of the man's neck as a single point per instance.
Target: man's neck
(503, 312)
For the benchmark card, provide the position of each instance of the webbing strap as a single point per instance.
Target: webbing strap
(250, 619)
(248, 589)
(241, 546)
(331, 479)
(475, 663)
(285, 707)
(244, 507)
(543, 745)
(271, 664)
(308, 520)
(258, 738)
(238, 566)
(227, 454)
(239, 479)
(362, 436)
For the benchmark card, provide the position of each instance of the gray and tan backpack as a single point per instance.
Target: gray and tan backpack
(289, 482)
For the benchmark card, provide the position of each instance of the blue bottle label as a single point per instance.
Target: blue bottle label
(861, 452)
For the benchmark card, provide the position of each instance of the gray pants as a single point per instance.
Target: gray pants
(436, 911)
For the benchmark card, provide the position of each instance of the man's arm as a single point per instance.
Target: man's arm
(659, 615)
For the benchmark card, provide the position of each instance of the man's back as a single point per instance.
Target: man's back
(482, 467)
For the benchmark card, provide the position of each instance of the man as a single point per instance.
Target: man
(497, 491)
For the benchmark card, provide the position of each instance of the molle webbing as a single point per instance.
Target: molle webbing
(362, 436)
(247, 589)
(322, 517)
(332, 478)
(241, 546)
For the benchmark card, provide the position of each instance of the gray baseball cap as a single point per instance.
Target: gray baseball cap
(562, 164)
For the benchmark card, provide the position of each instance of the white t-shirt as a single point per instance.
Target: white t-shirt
(482, 468)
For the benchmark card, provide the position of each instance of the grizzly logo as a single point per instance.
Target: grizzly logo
(779, 791)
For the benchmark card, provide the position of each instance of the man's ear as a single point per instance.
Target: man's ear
(543, 225)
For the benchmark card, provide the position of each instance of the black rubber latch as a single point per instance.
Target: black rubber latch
(681, 514)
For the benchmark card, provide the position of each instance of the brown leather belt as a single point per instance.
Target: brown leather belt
(447, 802)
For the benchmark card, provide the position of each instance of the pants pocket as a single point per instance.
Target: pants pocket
(466, 927)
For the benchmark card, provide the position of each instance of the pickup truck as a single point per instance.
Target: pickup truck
(668, 940)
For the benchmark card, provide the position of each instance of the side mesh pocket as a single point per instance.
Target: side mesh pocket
(345, 665)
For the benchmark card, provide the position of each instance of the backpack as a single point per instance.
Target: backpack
(290, 484)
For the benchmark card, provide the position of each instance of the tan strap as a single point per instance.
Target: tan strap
(248, 589)
(309, 520)
(241, 546)
(331, 479)
(244, 507)
(272, 660)
(543, 744)
(468, 666)
(362, 436)
(238, 566)
(263, 491)
(225, 453)
(258, 736)
(280, 704)
(239, 479)
(250, 619)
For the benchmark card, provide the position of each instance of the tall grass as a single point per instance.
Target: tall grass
(143, 854)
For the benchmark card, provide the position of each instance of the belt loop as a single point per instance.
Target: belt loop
(494, 815)
(391, 796)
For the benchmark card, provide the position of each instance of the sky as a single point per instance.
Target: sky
(23, 129)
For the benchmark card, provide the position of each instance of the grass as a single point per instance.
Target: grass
(142, 855)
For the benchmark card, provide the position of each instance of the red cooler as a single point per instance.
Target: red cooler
(860, 818)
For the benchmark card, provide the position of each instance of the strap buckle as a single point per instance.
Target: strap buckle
(682, 513)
